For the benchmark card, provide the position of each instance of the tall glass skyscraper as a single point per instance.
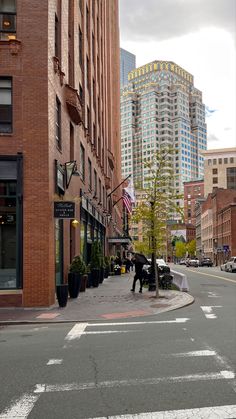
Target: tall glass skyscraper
(127, 64)
(160, 106)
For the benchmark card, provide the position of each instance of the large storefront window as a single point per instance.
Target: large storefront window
(10, 222)
(8, 234)
(59, 251)
(82, 238)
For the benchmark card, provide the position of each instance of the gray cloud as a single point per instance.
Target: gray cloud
(158, 20)
(212, 137)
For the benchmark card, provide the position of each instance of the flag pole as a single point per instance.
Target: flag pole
(118, 186)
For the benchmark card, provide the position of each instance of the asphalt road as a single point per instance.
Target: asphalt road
(179, 364)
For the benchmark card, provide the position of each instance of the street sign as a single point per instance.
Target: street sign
(64, 209)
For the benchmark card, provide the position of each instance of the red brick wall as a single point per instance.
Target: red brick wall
(35, 86)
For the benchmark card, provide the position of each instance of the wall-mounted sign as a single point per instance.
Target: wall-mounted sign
(64, 209)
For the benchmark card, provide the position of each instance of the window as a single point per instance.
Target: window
(215, 180)
(7, 19)
(220, 161)
(57, 38)
(214, 161)
(214, 171)
(225, 160)
(89, 174)
(95, 183)
(87, 69)
(231, 178)
(82, 161)
(5, 105)
(58, 122)
(80, 47)
(100, 190)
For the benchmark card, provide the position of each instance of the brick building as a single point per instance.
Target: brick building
(217, 224)
(59, 117)
(219, 169)
(193, 190)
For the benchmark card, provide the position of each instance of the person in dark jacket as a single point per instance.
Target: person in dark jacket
(138, 275)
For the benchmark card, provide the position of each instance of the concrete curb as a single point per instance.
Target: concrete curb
(188, 301)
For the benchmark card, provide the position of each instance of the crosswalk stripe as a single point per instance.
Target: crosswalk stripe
(211, 412)
(20, 408)
(47, 388)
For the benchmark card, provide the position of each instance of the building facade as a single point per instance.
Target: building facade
(219, 169)
(160, 106)
(217, 225)
(127, 64)
(59, 117)
(193, 190)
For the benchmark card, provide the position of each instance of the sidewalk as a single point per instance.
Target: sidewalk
(111, 300)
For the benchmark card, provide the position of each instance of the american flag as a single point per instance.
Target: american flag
(127, 202)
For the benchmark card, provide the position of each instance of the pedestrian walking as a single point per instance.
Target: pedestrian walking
(138, 275)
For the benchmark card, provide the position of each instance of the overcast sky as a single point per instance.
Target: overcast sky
(198, 35)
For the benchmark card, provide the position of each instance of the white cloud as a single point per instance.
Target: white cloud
(205, 49)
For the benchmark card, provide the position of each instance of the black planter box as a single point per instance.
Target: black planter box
(95, 277)
(74, 281)
(62, 294)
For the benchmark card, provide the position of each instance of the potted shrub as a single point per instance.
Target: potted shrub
(62, 294)
(77, 269)
(95, 264)
(89, 274)
(101, 278)
(84, 279)
(117, 270)
(107, 266)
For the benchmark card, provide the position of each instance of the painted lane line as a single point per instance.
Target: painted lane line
(20, 408)
(194, 353)
(76, 331)
(212, 412)
(47, 388)
(207, 310)
(214, 276)
(54, 362)
(177, 320)
(104, 332)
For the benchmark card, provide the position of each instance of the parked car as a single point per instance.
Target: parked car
(231, 264)
(182, 262)
(206, 262)
(192, 262)
(223, 267)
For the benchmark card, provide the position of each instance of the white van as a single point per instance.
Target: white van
(230, 265)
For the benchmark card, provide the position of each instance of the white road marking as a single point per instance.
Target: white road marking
(177, 320)
(192, 339)
(184, 328)
(21, 408)
(214, 276)
(54, 362)
(108, 331)
(211, 316)
(212, 412)
(208, 311)
(47, 388)
(194, 353)
(76, 331)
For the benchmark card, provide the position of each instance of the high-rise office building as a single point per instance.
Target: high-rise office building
(127, 64)
(160, 106)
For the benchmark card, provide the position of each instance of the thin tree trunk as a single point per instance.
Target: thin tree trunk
(156, 272)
